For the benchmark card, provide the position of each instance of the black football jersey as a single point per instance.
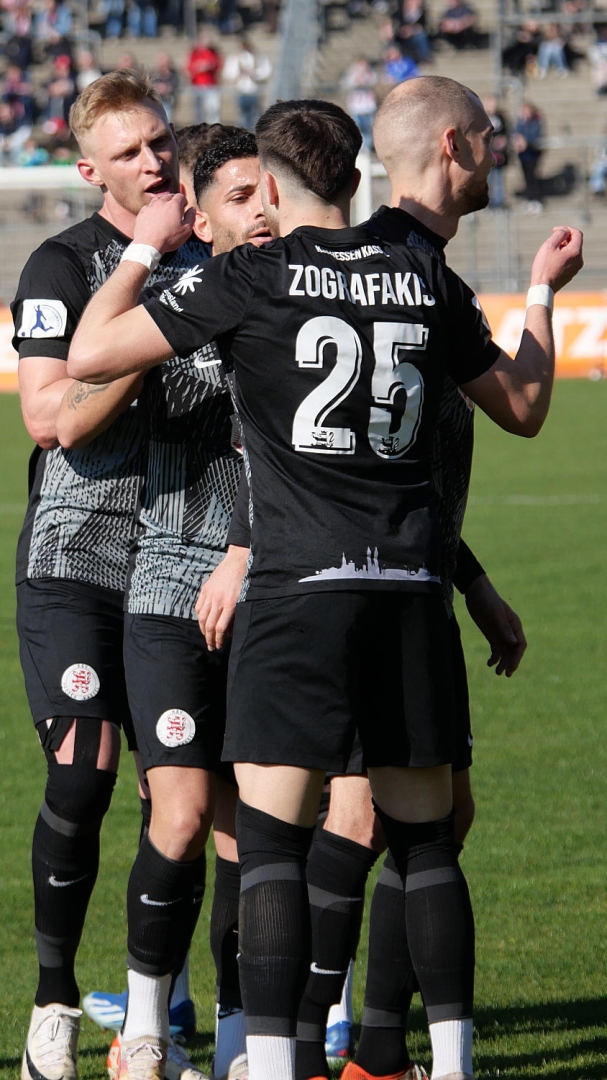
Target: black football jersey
(338, 344)
(81, 517)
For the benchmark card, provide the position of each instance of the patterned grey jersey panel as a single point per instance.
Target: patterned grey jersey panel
(85, 521)
(81, 520)
(190, 485)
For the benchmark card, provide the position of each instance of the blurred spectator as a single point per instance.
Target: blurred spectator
(397, 68)
(228, 17)
(52, 20)
(598, 172)
(411, 30)
(114, 19)
(385, 31)
(528, 132)
(127, 62)
(60, 95)
(360, 81)
(19, 46)
(166, 80)
(247, 70)
(551, 53)
(142, 18)
(499, 147)
(578, 9)
(13, 134)
(62, 153)
(171, 14)
(458, 25)
(270, 14)
(10, 10)
(31, 154)
(248, 12)
(88, 70)
(58, 46)
(18, 92)
(597, 54)
(522, 52)
(203, 67)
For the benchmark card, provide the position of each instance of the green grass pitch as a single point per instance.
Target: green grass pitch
(535, 860)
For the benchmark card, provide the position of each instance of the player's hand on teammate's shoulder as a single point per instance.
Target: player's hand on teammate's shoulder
(164, 223)
(559, 258)
(218, 597)
(500, 625)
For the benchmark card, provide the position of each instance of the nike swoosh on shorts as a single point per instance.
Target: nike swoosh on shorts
(157, 903)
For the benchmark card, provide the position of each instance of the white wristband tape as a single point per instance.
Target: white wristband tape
(540, 294)
(142, 253)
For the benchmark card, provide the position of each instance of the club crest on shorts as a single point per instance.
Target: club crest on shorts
(80, 682)
(175, 728)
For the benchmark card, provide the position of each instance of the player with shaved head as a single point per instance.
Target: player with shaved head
(434, 138)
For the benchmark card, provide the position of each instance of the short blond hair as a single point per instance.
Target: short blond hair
(116, 92)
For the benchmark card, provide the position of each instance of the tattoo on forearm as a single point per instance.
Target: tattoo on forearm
(80, 391)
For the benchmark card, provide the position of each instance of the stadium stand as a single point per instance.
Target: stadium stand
(492, 250)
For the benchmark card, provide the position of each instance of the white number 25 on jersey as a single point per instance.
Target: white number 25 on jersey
(391, 375)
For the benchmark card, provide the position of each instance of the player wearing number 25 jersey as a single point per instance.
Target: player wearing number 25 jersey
(339, 344)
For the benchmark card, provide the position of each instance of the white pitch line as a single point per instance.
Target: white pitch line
(535, 500)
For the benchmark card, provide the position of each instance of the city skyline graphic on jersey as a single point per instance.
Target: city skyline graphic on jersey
(371, 570)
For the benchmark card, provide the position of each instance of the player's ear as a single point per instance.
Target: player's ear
(88, 172)
(186, 189)
(269, 181)
(355, 182)
(202, 227)
(451, 143)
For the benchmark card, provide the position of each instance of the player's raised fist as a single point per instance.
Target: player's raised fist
(559, 258)
(164, 223)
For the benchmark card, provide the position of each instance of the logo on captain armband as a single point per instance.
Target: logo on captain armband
(80, 682)
(42, 319)
(175, 728)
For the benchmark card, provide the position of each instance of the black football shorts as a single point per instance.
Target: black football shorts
(177, 692)
(309, 671)
(70, 645)
(462, 750)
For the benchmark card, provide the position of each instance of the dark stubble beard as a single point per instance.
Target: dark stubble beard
(226, 240)
(473, 197)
